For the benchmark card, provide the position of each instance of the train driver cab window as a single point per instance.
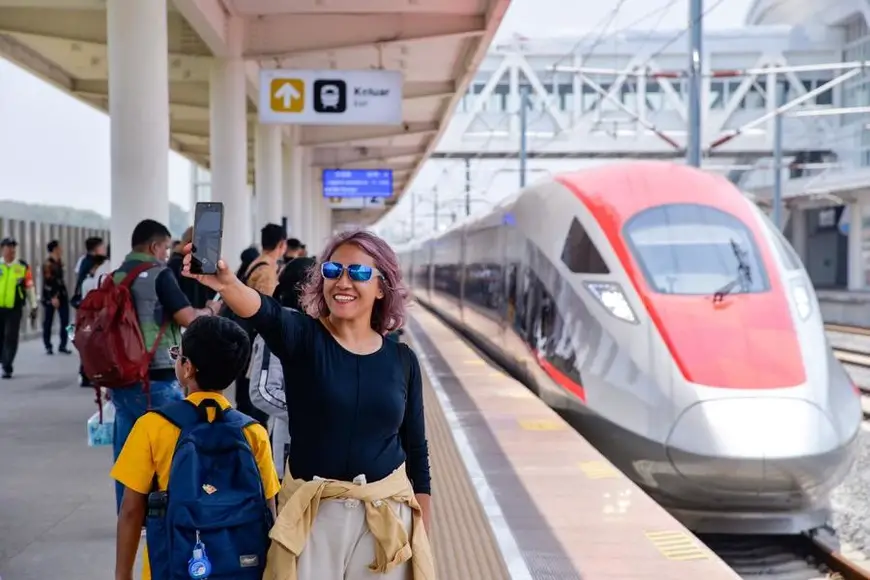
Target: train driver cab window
(695, 249)
(580, 254)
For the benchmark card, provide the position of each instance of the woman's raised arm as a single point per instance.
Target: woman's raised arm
(281, 330)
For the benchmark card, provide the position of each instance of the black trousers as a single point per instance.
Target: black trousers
(10, 330)
(63, 314)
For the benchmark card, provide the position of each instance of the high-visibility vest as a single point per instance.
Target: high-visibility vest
(14, 278)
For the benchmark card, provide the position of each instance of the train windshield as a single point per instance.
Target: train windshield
(695, 249)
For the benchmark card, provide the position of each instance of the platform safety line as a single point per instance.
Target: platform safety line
(599, 470)
(504, 537)
(677, 545)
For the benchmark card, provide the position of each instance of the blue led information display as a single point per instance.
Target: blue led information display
(357, 182)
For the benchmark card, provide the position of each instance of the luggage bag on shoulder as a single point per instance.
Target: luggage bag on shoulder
(109, 338)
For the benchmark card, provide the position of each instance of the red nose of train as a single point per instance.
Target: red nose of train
(746, 341)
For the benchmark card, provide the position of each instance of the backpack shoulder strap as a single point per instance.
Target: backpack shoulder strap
(131, 276)
(238, 419)
(247, 276)
(182, 414)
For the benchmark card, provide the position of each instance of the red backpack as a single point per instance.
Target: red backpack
(108, 336)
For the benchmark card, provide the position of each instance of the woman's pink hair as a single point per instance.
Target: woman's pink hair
(389, 312)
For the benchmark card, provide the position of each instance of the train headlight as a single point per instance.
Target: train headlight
(610, 296)
(801, 298)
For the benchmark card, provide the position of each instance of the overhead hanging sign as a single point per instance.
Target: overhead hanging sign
(357, 182)
(330, 97)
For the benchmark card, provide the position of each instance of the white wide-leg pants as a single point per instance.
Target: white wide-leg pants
(341, 547)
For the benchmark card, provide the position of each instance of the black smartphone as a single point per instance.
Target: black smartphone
(208, 231)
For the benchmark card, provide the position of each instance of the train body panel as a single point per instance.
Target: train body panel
(662, 314)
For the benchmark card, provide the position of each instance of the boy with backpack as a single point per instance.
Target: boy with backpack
(197, 473)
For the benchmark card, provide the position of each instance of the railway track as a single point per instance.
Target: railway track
(813, 556)
(848, 329)
(853, 357)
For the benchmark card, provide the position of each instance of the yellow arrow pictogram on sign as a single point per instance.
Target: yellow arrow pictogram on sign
(287, 95)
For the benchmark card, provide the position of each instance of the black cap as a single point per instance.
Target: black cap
(8, 242)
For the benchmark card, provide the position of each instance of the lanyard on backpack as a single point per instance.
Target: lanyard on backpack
(199, 566)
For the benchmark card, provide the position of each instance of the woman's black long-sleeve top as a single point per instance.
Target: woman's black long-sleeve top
(349, 414)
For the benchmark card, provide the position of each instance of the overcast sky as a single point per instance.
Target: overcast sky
(55, 150)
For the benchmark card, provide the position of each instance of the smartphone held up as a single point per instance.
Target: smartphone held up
(208, 229)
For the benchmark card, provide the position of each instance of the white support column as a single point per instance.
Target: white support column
(267, 187)
(855, 264)
(287, 147)
(253, 229)
(327, 219)
(799, 233)
(320, 229)
(139, 112)
(319, 207)
(315, 224)
(306, 196)
(229, 145)
(292, 178)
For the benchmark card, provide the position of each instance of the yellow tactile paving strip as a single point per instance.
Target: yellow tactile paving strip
(465, 548)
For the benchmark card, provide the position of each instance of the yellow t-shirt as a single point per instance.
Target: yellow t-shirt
(149, 449)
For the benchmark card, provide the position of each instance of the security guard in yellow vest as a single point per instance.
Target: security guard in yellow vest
(16, 289)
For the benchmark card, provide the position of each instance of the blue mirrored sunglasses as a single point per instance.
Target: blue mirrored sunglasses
(357, 272)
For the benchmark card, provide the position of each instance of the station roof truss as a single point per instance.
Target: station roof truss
(436, 44)
(606, 127)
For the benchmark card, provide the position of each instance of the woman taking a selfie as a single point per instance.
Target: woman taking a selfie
(356, 492)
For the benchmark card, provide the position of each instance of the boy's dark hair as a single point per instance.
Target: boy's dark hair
(294, 244)
(271, 235)
(147, 232)
(218, 348)
(52, 245)
(92, 243)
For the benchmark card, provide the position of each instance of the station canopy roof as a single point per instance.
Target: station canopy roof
(436, 44)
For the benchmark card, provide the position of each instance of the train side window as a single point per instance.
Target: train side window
(580, 254)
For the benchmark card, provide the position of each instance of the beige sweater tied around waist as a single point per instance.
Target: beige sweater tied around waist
(299, 501)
